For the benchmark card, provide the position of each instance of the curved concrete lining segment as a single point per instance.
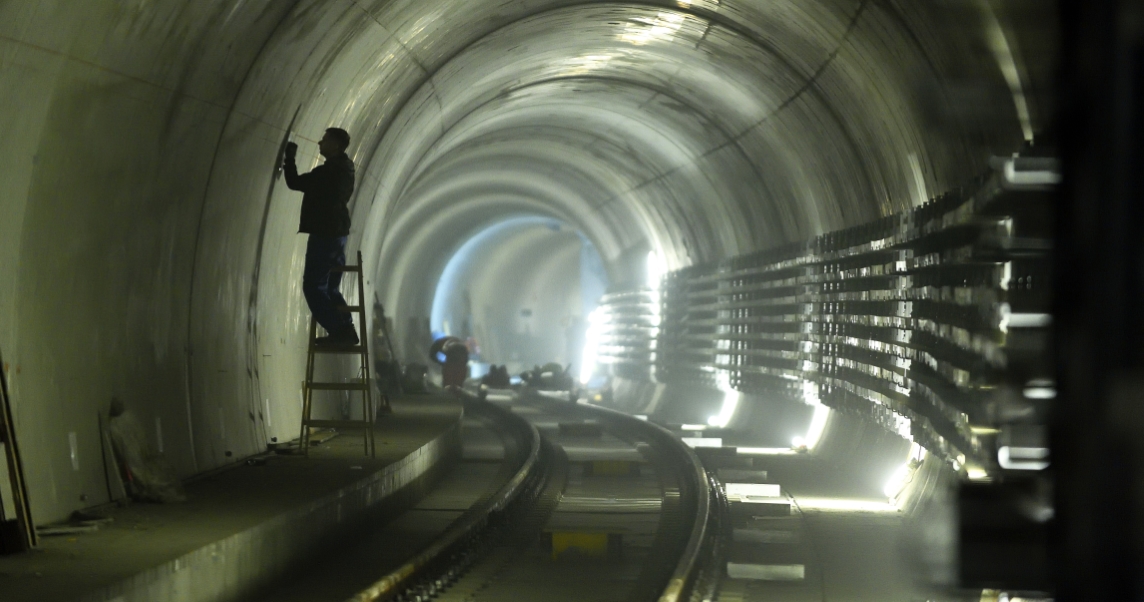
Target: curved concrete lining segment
(148, 246)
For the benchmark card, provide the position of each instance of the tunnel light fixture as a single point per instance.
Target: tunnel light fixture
(730, 404)
(1029, 177)
(1040, 389)
(845, 505)
(731, 399)
(897, 482)
(693, 427)
(764, 451)
(1040, 393)
(817, 421)
(1029, 320)
(1023, 458)
(702, 441)
(1008, 320)
(904, 474)
(992, 595)
(817, 426)
(976, 473)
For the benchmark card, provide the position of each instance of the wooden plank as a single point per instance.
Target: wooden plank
(116, 490)
(339, 386)
(354, 349)
(27, 530)
(338, 423)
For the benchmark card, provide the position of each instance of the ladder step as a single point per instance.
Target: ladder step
(338, 423)
(337, 348)
(346, 268)
(349, 308)
(350, 386)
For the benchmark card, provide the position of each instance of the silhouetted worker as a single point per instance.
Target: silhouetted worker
(326, 218)
(455, 364)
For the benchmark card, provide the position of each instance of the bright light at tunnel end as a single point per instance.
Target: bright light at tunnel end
(589, 357)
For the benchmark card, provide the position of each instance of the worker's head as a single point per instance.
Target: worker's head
(334, 143)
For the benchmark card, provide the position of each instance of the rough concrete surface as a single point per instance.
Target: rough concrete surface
(242, 527)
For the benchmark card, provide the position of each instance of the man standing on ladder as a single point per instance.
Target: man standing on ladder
(326, 218)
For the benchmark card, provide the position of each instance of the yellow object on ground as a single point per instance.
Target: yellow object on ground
(588, 544)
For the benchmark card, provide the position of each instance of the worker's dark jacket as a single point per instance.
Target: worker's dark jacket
(326, 194)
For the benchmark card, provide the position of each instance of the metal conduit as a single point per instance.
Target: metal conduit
(919, 316)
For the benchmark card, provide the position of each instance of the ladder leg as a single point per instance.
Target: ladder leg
(304, 436)
(368, 410)
(370, 422)
(365, 419)
(307, 393)
(365, 384)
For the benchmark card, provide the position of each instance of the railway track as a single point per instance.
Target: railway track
(550, 500)
(591, 505)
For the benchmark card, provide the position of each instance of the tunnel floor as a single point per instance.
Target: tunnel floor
(845, 554)
(352, 567)
(231, 504)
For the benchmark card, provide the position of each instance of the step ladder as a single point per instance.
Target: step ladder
(362, 383)
(17, 534)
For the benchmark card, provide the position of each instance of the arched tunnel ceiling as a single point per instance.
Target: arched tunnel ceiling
(142, 142)
(700, 129)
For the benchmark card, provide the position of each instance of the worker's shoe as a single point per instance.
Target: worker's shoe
(344, 338)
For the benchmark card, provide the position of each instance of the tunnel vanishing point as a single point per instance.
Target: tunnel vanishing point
(515, 161)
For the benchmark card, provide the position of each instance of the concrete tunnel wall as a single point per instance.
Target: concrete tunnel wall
(148, 247)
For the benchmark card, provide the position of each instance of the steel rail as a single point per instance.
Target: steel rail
(469, 524)
(691, 561)
(433, 569)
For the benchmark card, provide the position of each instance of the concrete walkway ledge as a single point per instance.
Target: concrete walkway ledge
(245, 563)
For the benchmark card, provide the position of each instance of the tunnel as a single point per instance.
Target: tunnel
(529, 175)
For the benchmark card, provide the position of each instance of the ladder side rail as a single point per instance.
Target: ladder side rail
(307, 390)
(367, 393)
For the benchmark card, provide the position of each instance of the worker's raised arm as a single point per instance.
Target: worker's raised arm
(290, 169)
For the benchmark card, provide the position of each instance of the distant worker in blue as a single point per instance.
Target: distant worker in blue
(326, 218)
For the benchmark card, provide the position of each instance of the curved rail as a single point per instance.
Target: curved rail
(448, 558)
(469, 525)
(684, 575)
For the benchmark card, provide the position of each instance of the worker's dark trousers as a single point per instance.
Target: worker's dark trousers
(320, 284)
